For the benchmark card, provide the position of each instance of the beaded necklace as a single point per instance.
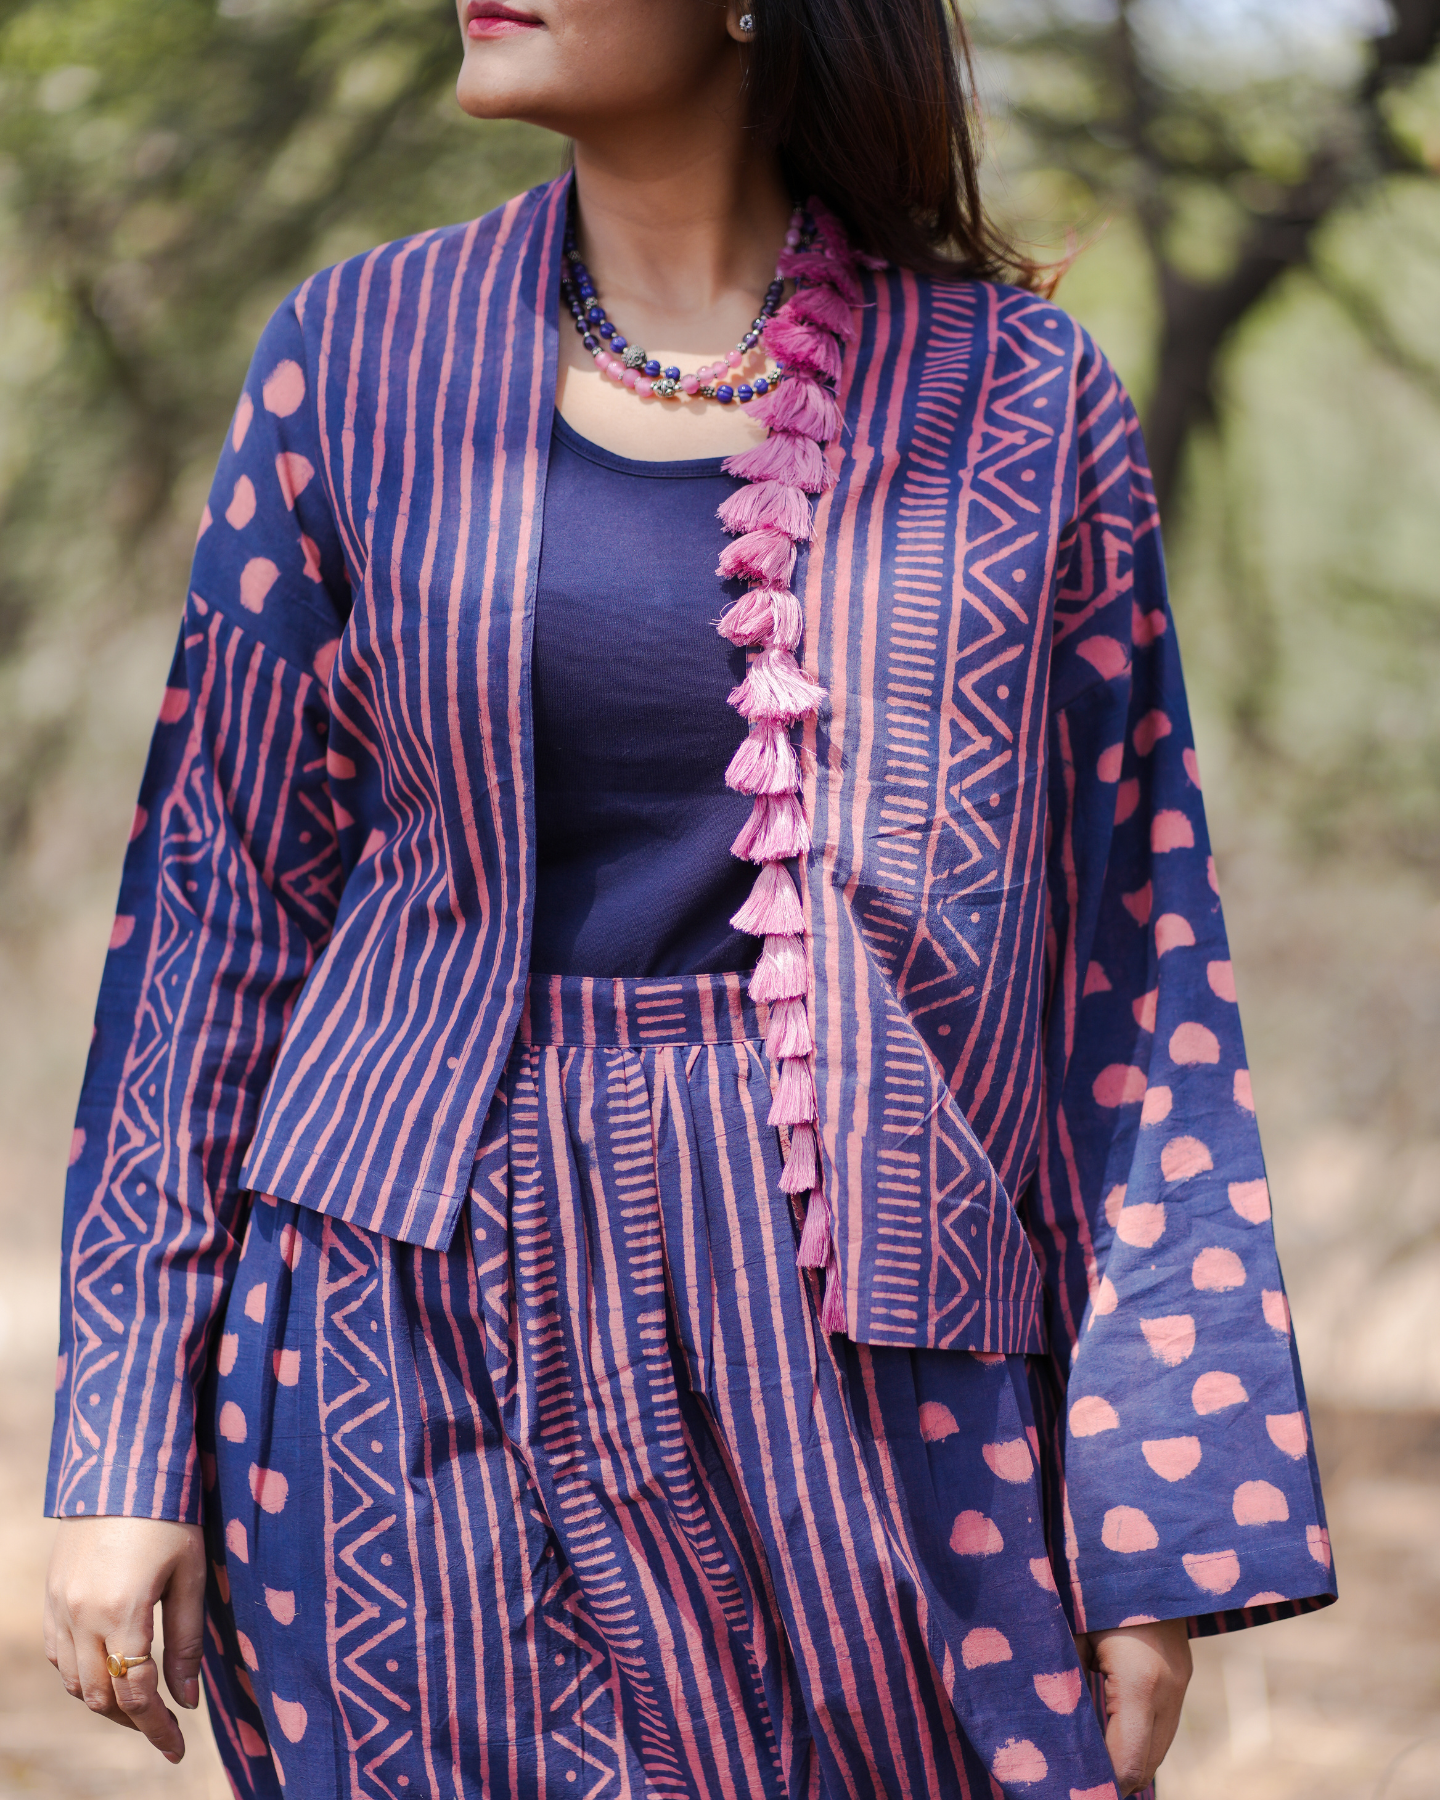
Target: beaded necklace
(629, 365)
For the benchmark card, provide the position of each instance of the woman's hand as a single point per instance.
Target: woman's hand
(105, 1578)
(1146, 1669)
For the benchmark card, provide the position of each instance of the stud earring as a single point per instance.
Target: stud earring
(747, 24)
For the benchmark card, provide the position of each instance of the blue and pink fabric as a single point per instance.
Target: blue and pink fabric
(1005, 980)
(769, 517)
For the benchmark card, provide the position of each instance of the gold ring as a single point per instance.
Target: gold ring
(122, 1665)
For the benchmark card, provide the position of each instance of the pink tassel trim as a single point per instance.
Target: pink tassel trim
(814, 1250)
(776, 830)
(780, 973)
(799, 405)
(832, 1308)
(795, 343)
(768, 616)
(825, 307)
(765, 763)
(794, 1102)
(768, 505)
(788, 1032)
(769, 516)
(776, 689)
(801, 1174)
(785, 456)
(773, 905)
(806, 265)
(765, 556)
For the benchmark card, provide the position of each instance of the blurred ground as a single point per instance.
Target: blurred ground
(1339, 979)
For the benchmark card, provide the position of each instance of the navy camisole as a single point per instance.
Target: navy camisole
(633, 733)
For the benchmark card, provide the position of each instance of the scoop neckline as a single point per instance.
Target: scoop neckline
(692, 467)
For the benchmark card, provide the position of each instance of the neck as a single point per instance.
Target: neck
(677, 220)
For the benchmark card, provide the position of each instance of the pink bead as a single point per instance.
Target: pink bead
(617, 371)
(690, 384)
(644, 387)
(736, 358)
(792, 237)
(630, 378)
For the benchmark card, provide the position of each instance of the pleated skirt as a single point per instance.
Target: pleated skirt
(588, 1504)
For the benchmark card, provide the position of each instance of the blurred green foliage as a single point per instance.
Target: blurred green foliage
(1257, 183)
(168, 171)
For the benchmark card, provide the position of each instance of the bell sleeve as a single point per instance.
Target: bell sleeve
(228, 894)
(1183, 1479)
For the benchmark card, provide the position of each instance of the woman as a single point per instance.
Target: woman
(546, 1305)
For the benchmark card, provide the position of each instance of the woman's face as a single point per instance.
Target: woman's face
(578, 66)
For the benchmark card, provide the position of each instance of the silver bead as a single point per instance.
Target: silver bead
(635, 357)
(664, 387)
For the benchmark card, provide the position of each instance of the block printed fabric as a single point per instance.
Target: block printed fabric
(1036, 1121)
(590, 1494)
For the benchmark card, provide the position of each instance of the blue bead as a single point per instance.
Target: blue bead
(672, 374)
(652, 369)
(745, 391)
(607, 329)
(762, 386)
(618, 343)
(725, 394)
(595, 314)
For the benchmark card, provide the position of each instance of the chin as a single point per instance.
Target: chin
(500, 81)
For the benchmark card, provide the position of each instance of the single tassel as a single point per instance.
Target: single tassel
(785, 456)
(787, 1033)
(765, 763)
(750, 619)
(780, 973)
(832, 1309)
(776, 830)
(767, 616)
(810, 265)
(773, 907)
(799, 404)
(799, 345)
(814, 1251)
(794, 1102)
(824, 307)
(787, 622)
(765, 556)
(768, 505)
(776, 689)
(801, 1174)
(832, 234)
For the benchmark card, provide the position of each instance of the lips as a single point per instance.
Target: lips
(493, 19)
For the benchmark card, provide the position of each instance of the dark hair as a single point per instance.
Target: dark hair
(868, 103)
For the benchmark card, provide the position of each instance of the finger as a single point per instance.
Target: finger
(138, 1694)
(94, 1678)
(67, 1664)
(1127, 1738)
(182, 1611)
(1166, 1707)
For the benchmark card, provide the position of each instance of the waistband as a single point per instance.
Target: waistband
(640, 1013)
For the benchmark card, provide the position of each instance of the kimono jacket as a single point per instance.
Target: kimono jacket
(1035, 1115)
